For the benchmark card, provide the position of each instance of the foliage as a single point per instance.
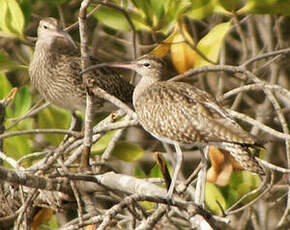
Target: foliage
(195, 33)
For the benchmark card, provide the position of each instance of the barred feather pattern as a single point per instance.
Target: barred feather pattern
(54, 71)
(178, 112)
(243, 156)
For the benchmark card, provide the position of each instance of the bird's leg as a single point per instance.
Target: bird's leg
(74, 126)
(74, 120)
(179, 158)
(201, 179)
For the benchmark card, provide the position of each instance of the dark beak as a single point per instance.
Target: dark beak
(63, 34)
(128, 65)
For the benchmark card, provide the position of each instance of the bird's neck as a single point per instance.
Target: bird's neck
(44, 50)
(143, 85)
(43, 60)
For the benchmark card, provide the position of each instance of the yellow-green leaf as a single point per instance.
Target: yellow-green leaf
(100, 146)
(229, 5)
(127, 152)
(116, 20)
(155, 172)
(54, 118)
(11, 18)
(213, 196)
(4, 85)
(123, 150)
(22, 102)
(280, 7)
(211, 43)
(158, 7)
(147, 205)
(138, 172)
(7, 64)
(201, 9)
(231, 195)
(18, 146)
(242, 183)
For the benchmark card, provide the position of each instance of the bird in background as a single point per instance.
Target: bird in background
(181, 114)
(54, 71)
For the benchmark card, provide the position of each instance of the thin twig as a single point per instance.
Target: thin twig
(34, 110)
(85, 62)
(264, 191)
(131, 24)
(38, 131)
(154, 218)
(260, 125)
(256, 86)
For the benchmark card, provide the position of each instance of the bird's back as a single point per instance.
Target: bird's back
(180, 112)
(55, 73)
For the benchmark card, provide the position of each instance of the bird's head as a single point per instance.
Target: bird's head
(148, 66)
(49, 29)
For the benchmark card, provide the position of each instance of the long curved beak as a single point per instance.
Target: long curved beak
(127, 65)
(63, 34)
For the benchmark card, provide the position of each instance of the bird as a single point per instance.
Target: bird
(54, 71)
(181, 114)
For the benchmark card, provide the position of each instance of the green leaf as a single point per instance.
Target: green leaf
(11, 18)
(54, 118)
(123, 150)
(146, 8)
(147, 205)
(155, 172)
(252, 181)
(5, 89)
(53, 222)
(201, 9)
(17, 146)
(229, 5)
(5, 85)
(174, 10)
(213, 196)
(211, 43)
(242, 183)
(236, 179)
(7, 64)
(116, 20)
(127, 152)
(100, 146)
(230, 194)
(22, 102)
(158, 7)
(138, 172)
(280, 7)
(26, 9)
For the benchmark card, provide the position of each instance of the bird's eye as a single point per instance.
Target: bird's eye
(45, 26)
(146, 64)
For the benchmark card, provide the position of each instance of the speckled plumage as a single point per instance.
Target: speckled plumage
(55, 69)
(177, 112)
(182, 113)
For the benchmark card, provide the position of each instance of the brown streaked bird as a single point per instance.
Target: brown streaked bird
(55, 68)
(179, 113)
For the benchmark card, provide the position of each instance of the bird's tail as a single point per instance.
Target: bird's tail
(243, 156)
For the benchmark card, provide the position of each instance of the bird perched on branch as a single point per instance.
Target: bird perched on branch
(54, 71)
(179, 113)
